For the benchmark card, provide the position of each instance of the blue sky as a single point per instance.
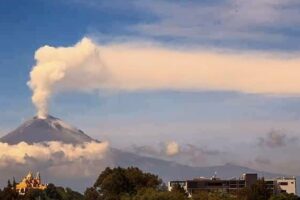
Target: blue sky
(144, 118)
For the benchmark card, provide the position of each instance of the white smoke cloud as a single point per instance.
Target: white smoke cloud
(88, 66)
(77, 67)
(172, 148)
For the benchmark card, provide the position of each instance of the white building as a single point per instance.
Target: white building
(287, 185)
(277, 185)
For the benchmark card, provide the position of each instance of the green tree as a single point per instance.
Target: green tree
(117, 182)
(213, 195)
(9, 185)
(200, 195)
(14, 184)
(284, 196)
(176, 188)
(153, 194)
(9, 193)
(257, 191)
(69, 194)
(34, 194)
(52, 193)
(91, 194)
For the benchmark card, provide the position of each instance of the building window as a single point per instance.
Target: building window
(283, 183)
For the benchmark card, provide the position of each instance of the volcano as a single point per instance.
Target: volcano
(40, 130)
(44, 130)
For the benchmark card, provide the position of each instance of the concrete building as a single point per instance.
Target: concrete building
(287, 185)
(233, 185)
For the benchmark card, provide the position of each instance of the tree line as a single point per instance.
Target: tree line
(133, 184)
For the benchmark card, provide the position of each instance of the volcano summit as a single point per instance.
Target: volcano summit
(45, 130)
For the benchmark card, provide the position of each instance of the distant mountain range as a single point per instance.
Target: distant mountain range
(53, 129)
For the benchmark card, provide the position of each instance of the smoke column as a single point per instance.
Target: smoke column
(64, 68)
(87, 67)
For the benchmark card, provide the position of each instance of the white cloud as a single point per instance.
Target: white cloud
(188, 154)
(276, 139)
(56, 152)
(232, 20)
(70, 165)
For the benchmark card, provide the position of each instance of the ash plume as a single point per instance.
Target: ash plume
(64, 68)
(88, 67)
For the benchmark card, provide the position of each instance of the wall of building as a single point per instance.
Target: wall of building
(287, 185)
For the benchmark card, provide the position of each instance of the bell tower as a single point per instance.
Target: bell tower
(38, 177)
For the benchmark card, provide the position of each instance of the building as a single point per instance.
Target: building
(233, 185)
(29, 182)
(287, 185)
